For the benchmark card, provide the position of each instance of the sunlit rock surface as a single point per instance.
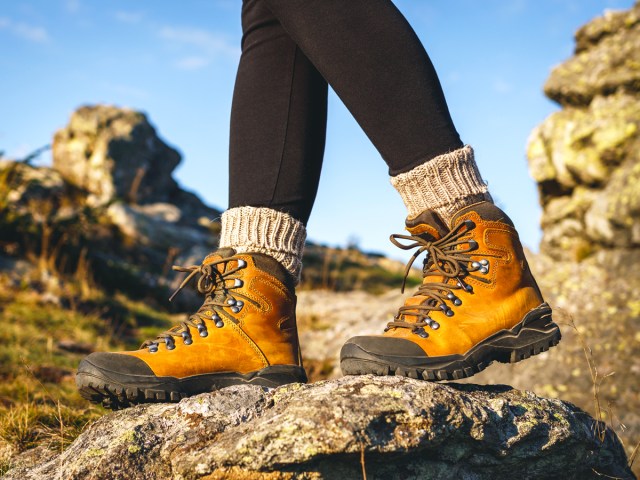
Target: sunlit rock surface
(393, 428)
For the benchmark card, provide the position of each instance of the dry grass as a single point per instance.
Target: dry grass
(603, 416)
(42, 344)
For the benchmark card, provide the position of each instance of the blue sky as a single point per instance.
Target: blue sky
(177, 62)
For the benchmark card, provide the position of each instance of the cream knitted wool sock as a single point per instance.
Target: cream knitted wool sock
(445, 184)
(263, 230)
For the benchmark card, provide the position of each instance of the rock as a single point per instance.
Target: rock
(607, 59)
(147, 225)
(38, 192)
(27, 459)
(586, 157)
(586, 160)
(115, 153)
(609, 24)
(614, 218)
(93, 211)
(328, 319)
(393, 427)
(582, 146)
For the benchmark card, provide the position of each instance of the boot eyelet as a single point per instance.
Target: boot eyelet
(186, 338)
(153, 348)
(446, 310)
(202, 330)
(475, 264)
(484, 270)
(455, 300)
(219, 324)
(231, 301)
(433, 325)
(421, 332)
(484, 262)
(170, 344)
(238, 283)
(235, 309)
(241, 263)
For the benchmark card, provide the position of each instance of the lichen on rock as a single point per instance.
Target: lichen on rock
(585, 157)
(607, 59)
(392, 427)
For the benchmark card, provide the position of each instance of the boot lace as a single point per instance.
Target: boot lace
(448, 258)
(220, 298)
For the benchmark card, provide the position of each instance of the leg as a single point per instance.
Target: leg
(245, 331)
(374, 61)
(278, 120)
(478, 302)
(278, 128)
(372, 58)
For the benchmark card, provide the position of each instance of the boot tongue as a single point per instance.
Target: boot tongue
(427, 225)
(215, 256)
(486, 210)
(218, 255)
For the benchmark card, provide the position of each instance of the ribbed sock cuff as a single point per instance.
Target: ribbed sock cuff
(268, 231)
(444, 184)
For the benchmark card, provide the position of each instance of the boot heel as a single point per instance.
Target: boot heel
(535, 334)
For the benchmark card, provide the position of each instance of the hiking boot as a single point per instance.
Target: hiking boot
(478, 303)
(244, 333)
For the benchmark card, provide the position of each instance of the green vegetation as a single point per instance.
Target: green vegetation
(44, 337)
(346, 269)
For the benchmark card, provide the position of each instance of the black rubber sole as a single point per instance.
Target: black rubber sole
(535, 334)
(116, 390)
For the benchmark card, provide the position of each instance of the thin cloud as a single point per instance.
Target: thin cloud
(24, 30)
(516, 7)
(72, 6)
(128, 17)
(501, 86)
(201, 46)
(192, 63)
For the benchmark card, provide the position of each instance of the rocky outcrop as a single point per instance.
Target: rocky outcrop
(109, 201)
(586, 157)
(115, 153)
(395, 428)
(607, 59)
(586, 160)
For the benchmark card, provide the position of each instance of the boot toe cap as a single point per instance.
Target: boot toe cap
(386, 349)
(108, 363)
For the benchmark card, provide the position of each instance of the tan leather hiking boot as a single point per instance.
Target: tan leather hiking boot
(478, 303)
(244, 333)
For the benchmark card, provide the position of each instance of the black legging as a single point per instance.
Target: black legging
(371, 57)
